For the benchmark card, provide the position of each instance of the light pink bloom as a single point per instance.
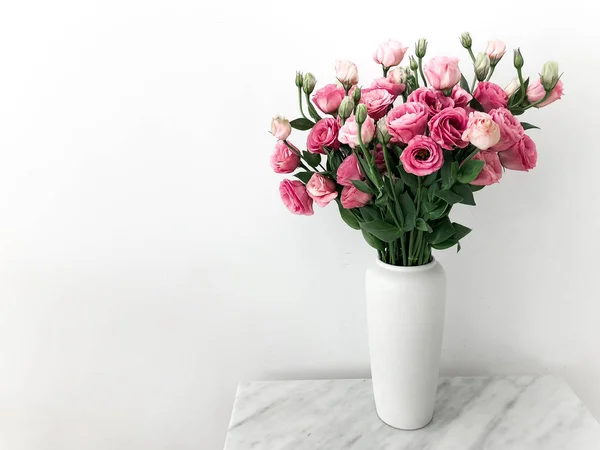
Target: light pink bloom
(346, 72)
(536, 92)
(422, 156)
(295, 198)
(377, 101)
(280, 127)
(512, 87)
(433, 99)
(496, 50)
(511, 130)
(390, 53)
(406, 121)
(397, 75)
(523, 156)
(328, 98)
(349, 132)
(492, 170)
(323, 134)
(481, 131)
(284, 160)
(321, 189)
(353, 198)
(490, 95)
(349, 170)
(385, 83)
(442, 72)
(447, 127)
(460, 96)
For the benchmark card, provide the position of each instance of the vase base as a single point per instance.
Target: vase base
(400, 427)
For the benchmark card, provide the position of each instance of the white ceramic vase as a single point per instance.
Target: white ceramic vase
(405, 311)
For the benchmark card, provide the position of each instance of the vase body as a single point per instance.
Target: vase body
(405, 313)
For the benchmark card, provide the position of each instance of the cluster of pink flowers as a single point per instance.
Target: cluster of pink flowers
(415, 123)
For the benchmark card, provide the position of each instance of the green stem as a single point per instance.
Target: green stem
(300, 102)
(416, 72)
(473, 83)
(403, 248)
(522, 96)
(490, 74)
(421, 72)
(471, 54)
(385, 70)
(469, 156)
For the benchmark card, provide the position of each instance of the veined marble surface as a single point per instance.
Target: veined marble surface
(471, 413)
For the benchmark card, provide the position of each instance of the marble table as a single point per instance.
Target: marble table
(472, 413)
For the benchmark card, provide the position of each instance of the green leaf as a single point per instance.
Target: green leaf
(528, 126)
(304, 176)
(348, 217)
(442, 230)
(409, 210)
(465, 192)
(382, 230)
(464, 83)
(430, 179)
(334, 159)
(302, 124)
(370, 213)
(438, 212)
(362, 187)
(398, 187)
(431, 191)
(423, 226)
(312, 111)
(373, 241)
(470, 170)
(476, 105)
(460, 231)
(475, 188)
(516, 111)
(445, 244)
(313, 159)
(408, 178)
(446, 170)
(449, 197)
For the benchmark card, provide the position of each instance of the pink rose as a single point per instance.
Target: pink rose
(280, 127)
(460, 96)
(442, 72)
(346, 72)
(353, 198)
(433, 99)
(284, 160)
(349, 132)
(390, 53)
(377, 101)
(490, 95)
(321, 189)
(481, 131)
(328, 98)
(323, 134)
(407, 120)
(422, 156)
(536, 92)
(511, 130)
(349, 170)
(495, 50)
(395, 89)
(492, 170)
(295, 198)
(447, 127)
(523, 156)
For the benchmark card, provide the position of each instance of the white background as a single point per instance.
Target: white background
(146, 261)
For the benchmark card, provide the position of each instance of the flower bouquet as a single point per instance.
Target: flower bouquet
(396, 155)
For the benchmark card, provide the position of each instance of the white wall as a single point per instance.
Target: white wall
(147, 264)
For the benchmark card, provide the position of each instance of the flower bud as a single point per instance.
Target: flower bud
(518, 59)
(413, 63)
(397, 75)
(361, 113)
(308, 84)
(550, 76)
(346, 108)
(466, 41)
(356, 94)
(299, 79)
(421, 48)
(383, 135)
(346, 72)
(512, 87)
(495, 50)
(482, 66)
(280, 127)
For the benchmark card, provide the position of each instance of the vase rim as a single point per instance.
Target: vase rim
(421, 268)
